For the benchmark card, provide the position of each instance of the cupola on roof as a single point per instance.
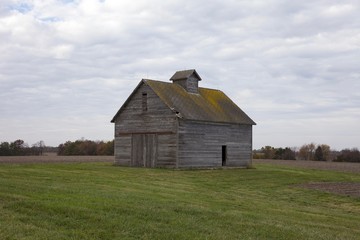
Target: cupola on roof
(188, 79)
(185, 74)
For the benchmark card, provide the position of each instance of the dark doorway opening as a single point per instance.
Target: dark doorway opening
(223, 155)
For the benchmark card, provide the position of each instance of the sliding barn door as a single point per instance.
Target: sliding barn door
(144, 150)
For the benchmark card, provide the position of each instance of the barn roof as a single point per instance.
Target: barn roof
(209, 105)
(185, 74)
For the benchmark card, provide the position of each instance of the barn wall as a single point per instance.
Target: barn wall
(193, 84)
(123, 150)
(158, 120)
(162, 146)
(166, 150)
(200, 144)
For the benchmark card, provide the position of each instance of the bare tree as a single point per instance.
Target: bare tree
(326, 152)
(307, 151)
(39, 147)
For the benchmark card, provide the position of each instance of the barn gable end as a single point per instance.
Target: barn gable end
(145, 137)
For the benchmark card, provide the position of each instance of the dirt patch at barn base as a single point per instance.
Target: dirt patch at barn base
(342, 188)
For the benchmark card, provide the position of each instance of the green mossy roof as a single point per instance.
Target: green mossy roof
(209, 105)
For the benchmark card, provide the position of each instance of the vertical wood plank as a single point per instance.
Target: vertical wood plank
(137, 150)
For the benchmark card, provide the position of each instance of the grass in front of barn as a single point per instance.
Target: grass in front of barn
(100, 201)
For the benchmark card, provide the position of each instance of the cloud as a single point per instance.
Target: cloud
(290, 65)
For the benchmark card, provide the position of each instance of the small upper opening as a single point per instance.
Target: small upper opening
(144, 102)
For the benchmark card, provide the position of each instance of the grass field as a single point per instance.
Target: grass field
(100, 201)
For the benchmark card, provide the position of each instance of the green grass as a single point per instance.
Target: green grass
(100, 201)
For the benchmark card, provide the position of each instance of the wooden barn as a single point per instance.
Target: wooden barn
(181, 125)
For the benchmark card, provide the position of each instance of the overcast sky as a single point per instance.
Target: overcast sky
(66, 67)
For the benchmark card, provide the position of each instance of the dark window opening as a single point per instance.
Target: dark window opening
(144, 102)
(223, 155)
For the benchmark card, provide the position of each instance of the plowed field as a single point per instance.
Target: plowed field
(335, 166)
(342, 188)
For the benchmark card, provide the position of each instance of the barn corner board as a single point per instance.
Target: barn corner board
(179, 125)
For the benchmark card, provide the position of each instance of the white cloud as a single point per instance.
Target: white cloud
(338, 10)
(290, 65)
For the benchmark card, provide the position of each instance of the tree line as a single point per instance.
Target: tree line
(78, 147)
(311, 151)
(20, 148)
(86, 147)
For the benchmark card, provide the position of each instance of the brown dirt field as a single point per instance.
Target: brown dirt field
(55, 159)
(342, 188)
(334, 166)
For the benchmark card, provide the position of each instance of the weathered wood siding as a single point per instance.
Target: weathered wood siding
(190, 84)
(146, 150)
(200, 144)
(167, 149)
(148, 134)
(122, 150)
(145, 138)
(157, 119)
(193, 84)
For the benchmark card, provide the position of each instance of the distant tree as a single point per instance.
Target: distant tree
(105, 148)
(326, 151)
(288, 154)
(284, 153)
(307, 151)
(38, 148)
(86, 147)
(278, 153)
(319, 156)
(348, 155)
(333, 155)
(67, 148)
(258, 154)
(312, 148)
(61, 149)
(268, 151)
(5, 149)
(18, 148)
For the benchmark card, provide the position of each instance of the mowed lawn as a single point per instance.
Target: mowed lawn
(101, 201)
